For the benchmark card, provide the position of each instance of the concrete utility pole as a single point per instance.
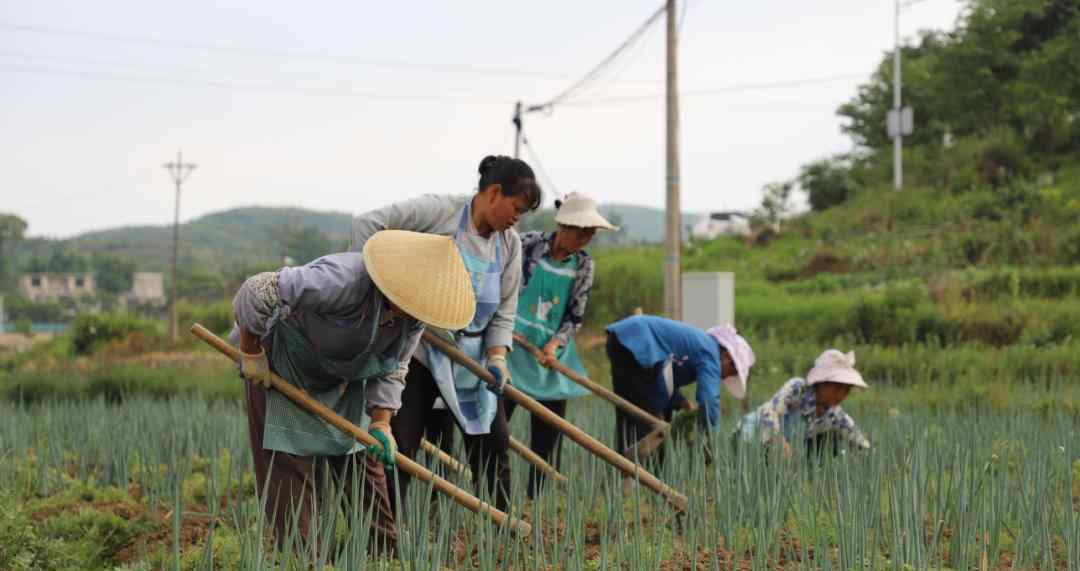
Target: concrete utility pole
(179, 172)
(898, 138)
(673, 218)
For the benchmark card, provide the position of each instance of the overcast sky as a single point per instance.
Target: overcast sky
(351, 105)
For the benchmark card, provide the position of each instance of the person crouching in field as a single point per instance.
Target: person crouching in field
(640, 348)
(810, 406)
(343, 328)
(557, 275)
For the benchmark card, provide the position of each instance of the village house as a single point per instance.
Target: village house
(50, 286)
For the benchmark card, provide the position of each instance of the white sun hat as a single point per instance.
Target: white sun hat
(741, 353)
(423, 274)
(580, 211)
(835, 366)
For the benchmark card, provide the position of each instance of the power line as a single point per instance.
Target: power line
(595, 72)
(145, 79)
(280, 54)
(539, 165)
(734, 88)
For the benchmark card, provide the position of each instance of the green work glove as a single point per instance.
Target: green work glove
(380, 430)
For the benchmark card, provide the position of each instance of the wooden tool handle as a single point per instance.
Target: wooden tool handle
(591, 444)
(405, 463)
(535, 459)
(446, 459)
(597, 389)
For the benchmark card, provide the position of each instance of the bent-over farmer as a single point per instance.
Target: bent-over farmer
(810, 407)
(651, 357)
(343, 328)
(481, 225)
(557, 274)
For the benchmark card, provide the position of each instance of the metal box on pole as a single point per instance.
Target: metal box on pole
(708, 298)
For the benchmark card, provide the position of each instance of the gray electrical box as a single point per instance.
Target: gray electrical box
(708, 298)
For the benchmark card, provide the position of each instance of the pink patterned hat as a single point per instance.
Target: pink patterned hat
(741, 353)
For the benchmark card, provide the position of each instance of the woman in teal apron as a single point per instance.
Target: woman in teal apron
(342, 328)
(557, 275)
(481, 226)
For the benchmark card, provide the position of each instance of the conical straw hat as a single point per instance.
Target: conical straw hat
(423, 274)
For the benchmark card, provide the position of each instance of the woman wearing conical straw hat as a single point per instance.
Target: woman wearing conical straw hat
(557, 276)
(810, 407)
(343, 328)
(481, 225)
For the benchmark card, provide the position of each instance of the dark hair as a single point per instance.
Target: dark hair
(514, 175)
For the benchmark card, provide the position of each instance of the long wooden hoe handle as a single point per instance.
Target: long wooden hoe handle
(597, 389)
(406, 464)
(446, 459)
(591, 444)
(535, 459)
(519, 448)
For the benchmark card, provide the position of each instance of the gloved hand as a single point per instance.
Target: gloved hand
(255, 368)
(496, 365)
(380, 429)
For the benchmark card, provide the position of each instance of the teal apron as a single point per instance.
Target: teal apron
(541, 308)
(464, 393)
(321, 373)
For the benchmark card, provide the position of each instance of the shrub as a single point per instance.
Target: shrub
(216, 316)
(89, 330)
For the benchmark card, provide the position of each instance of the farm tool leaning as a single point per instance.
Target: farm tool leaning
(675, 498)
(644, 447)
(404, 463)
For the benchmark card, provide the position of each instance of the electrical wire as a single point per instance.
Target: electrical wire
(279, 54)
(735, 88)
(597, 71)
(187, 82)
(535, 159)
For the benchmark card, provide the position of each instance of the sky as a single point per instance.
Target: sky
(349, 106)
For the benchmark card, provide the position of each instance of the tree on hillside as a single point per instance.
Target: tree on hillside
(827, 182)
(12, 230)
(113, 274)
(775, 203)
(307, 243)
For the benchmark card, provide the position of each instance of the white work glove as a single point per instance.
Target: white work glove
(255, 368)
(496, 365)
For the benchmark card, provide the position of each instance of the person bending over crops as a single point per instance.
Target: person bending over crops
(810, 406)
(343, 328)
(556, 278)
(481, 226)
(641, 347)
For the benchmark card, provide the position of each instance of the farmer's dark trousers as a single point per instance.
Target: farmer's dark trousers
(545, 440)
(301, 486)
(488, 453)
(636, 384)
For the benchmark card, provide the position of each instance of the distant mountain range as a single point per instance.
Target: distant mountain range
(252, 236)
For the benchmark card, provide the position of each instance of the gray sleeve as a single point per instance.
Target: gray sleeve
(256, 302)
(386, 392)
(500, 332)
(326, 285)
(423, 214)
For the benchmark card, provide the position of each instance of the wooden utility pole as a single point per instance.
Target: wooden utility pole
(673, 218)
(179, 171)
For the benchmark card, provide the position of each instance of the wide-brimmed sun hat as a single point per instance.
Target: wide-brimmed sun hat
(835, 366)
(424, 275)
(580, 211)
(741, 353)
